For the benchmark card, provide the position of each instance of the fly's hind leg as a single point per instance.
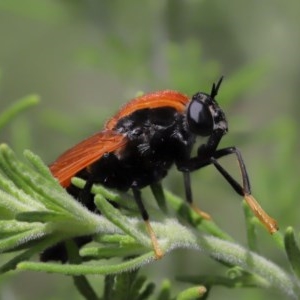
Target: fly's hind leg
(145, 216)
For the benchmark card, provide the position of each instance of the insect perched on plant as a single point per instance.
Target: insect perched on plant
(144, 139)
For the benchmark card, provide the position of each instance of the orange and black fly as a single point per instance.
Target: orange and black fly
(144, 139)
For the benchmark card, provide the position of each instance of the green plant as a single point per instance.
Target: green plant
(36, 212)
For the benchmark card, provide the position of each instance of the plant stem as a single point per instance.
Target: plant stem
(182, 237)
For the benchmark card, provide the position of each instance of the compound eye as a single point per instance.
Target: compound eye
(199, 118)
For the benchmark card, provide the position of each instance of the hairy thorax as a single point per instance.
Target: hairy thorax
(157, 138)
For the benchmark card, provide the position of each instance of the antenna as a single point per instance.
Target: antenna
(215, 88)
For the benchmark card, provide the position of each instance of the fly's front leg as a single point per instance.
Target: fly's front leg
(245, 189)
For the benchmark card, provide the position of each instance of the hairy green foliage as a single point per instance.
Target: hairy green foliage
(38, 213)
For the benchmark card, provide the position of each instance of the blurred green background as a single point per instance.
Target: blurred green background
(86, 58)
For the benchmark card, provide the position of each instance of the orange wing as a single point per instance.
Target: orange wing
(94, 147)
(153, 100)
(84, 154)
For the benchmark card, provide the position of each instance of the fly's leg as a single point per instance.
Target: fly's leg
(145, 216)
(189, 196)
(244, 190)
